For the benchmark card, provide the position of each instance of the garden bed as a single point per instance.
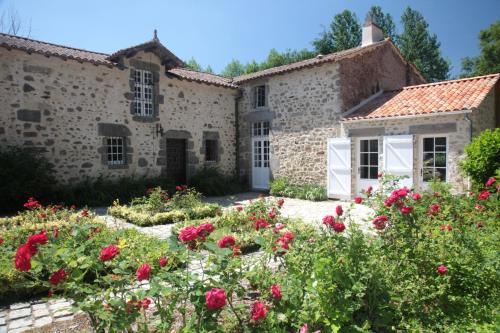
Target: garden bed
(157, 207)
(281, 187)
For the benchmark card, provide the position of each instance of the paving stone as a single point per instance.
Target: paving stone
(39, 306)
(16, 306)
(14, 314)
(42, 321)
(64, 318)
(62, 313)
(22, 322)
(41, 313)
(59, 305)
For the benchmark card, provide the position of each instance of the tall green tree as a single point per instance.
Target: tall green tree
(421, 47)
(384, 21)
(252, 67)
(234, 68)
(344, 33)
(488, 61)
(193, 64)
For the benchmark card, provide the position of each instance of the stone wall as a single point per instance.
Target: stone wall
(65, 108)
(304, 110)
(455, 127)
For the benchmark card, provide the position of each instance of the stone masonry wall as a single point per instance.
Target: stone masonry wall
(64, 108)
(304, 110)
(455, 127)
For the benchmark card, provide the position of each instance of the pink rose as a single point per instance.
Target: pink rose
(215, 298)
(442, 269)
(276, 291)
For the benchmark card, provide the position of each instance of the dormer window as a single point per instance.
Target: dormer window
(143, 93)
(260, 96)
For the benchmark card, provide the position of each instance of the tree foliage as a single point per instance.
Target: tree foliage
(384, 21)
(482, 156)
(421, 47)
(344, 33)
(488, 61)
(234, 68)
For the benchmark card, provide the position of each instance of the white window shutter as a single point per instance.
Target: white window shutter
(339, 168)
(398, 157)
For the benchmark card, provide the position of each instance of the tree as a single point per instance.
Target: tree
(252, 67)
(384, 21)
(12, 24)
(234, 68)
(209, 69)
(193, 64)
(422, 48)
(344, 33)
(488, 61)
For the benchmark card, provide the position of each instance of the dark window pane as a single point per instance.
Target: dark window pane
(364, 145)
(373, 158)
(373, 172)
(441, 141)
(210, 150)
(428, 159)
(364, 159)
(428, 144)
(373, 145)
(428, 174)
(440, 160)
(364, 172)
(441, 174)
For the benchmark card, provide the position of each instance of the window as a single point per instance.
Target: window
(143, 93)
(260, 96)
(260, 128)
(116, 151)
(368, 159)
(434, 159)
(211, 150)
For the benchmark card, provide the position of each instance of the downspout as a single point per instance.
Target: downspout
(237, 99)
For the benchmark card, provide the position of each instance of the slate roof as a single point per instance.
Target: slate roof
(430, 98)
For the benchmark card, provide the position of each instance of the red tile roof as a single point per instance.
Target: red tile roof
(49, 49)
(191, 75)
(439, 97)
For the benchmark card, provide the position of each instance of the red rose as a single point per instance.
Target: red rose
(260, 223)
(483, 195)
(1, 240)
(339, 210)
(272, 213)
(23, 258)
(215, 298)
(490, 182)
(179, 188)
(58, 276)
(226, 241)
(259, 311)
(72, 206)
(369, 190)
(280, 202)
(338, 227)
(32, 204)
(283, 243)
(416, 196)
(406, 210)
(109, 253)
(276, 291)
(288, 236)
(188, 234)
(163, 262)
(36, 239)
(143, 272)
(479, 207)
(379, 222)
(278, 227)
(204, 230)
(402, 192)
(145, 303)
(358, 200)
(328, 220)
(50, 293)
(84, 213)
(442, 269)
(433, 209)
(236, 251)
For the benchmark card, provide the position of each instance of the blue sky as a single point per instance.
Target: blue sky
(216, 31)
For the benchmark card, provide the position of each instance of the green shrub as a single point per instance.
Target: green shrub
(24, 173)
(482, 156)
(211, 182)
(281, 187)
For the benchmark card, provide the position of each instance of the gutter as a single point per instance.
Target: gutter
(346, 121)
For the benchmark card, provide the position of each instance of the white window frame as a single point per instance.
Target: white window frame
(260, 88)
(422, 138)
(379, 153)
(113, 155)
(261, 128)
(143, 93)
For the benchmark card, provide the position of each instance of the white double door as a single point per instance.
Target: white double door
(260, 163)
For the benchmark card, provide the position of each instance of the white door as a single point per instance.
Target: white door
(260, 155)
(368, 164)
(434, 160)
(339, 168)
(398, 157)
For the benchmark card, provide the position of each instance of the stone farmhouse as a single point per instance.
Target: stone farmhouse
(337, 120)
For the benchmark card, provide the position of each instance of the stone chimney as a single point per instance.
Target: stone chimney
(372, 33)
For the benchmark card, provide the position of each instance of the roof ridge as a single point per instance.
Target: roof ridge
(449, 81)
(53, 44)
(202, 72)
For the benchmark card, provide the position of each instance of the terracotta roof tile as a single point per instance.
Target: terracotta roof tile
(445, 96)
(208, 78)
(65, 52)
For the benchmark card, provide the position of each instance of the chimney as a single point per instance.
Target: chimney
(372, 33)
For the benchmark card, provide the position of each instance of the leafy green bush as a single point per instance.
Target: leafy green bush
(282, 187)
(24, 173)
(157, 207)
(211, 182)
(482, 156)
